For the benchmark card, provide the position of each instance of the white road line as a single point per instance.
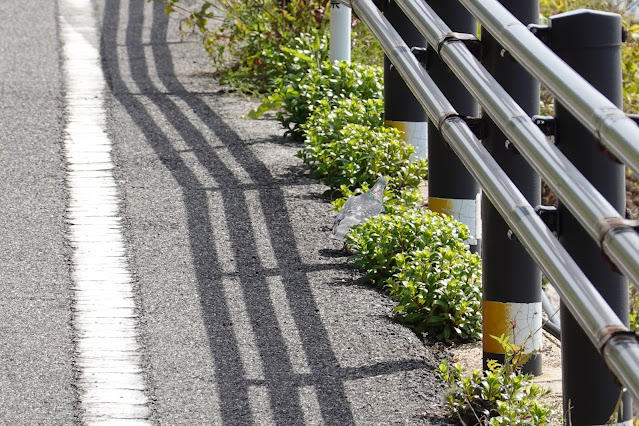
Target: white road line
(111, 384)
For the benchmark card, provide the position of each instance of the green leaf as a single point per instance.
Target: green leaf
(298, 54)
(265, 106)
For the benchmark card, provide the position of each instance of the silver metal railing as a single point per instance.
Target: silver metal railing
(589, 207)
(616, 131)
(618, 347)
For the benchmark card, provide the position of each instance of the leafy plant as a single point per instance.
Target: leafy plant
(500, 395)
(420, 258)
(360, 154)
(439, 292)
(297, 96)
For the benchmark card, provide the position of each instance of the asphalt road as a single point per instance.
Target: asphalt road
(36, 374)
(249, 312)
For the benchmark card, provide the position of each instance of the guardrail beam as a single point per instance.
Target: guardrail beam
(451, 189)
(511, 280)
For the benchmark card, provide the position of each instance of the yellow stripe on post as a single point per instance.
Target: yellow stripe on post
(464, 211)
(521, 322)
(414, 133)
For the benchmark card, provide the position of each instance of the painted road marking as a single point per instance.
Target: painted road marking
(110, 380)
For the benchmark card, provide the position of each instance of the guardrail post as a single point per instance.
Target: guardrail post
(401, 108)
(589, 41)
(339, 48)
(511, 280)
(451, 189)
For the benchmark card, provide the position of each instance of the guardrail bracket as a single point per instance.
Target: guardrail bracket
(550, 216)
(470, 41)
(421, 54)
(477, 125)
(541, 31)
(546, 124)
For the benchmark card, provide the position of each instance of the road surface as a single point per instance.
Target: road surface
(243, 310)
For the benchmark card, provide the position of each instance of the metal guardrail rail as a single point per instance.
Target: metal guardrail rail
(618, 346)
(618, 132)
(592, 210)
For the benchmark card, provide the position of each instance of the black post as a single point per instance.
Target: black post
(451, 189)
(512, 281)
(590, 42)
(401, 109)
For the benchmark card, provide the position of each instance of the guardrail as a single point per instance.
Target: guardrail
(590, 392)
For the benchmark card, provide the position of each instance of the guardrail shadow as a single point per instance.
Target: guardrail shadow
(281, 381)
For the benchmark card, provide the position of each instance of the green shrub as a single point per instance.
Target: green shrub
(360, 154)
(296, 96)
(329, 118)
(500, 395)
(420, 258)
(439, 292)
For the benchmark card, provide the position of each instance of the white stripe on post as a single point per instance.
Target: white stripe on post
(340, 32)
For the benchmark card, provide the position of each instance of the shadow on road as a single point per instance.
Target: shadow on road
(281, 381)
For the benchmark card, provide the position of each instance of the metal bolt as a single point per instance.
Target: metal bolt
(511, 235)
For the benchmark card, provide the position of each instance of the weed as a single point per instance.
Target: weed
(499, 395)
